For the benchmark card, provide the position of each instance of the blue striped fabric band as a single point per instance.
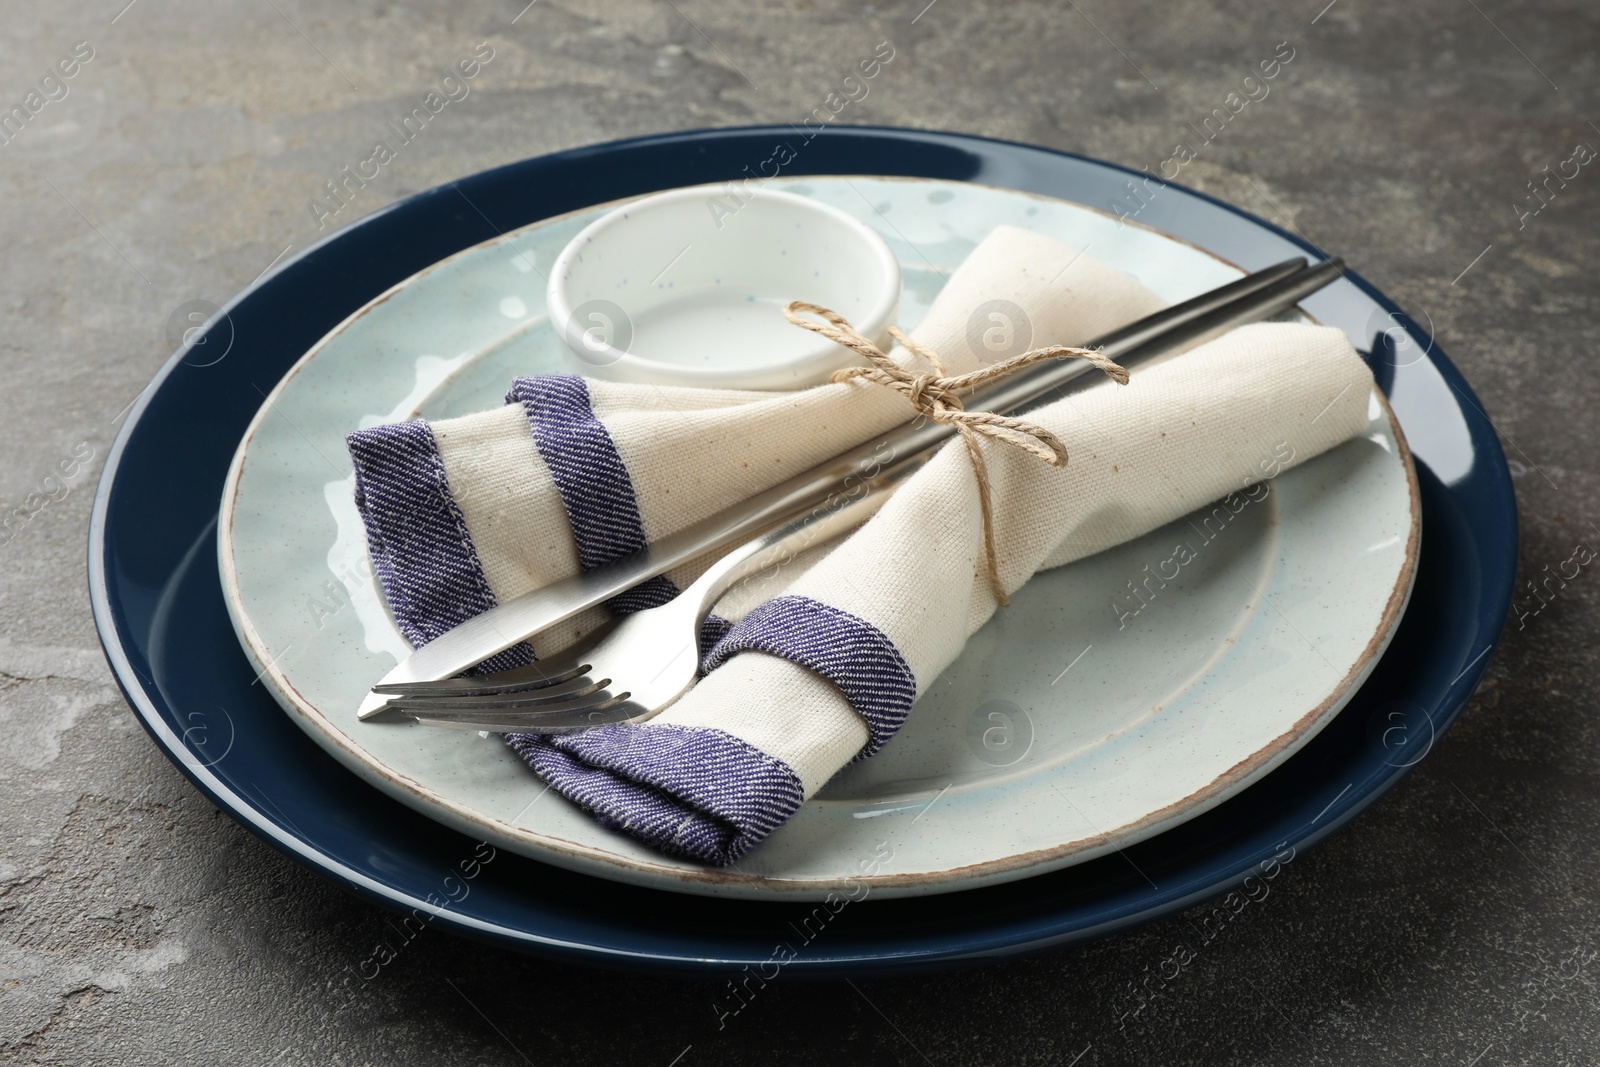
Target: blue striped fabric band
(595, 487)
(848, 651)
(417, 537)
(697, 793)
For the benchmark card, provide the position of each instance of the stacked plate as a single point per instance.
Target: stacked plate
(1132, 762)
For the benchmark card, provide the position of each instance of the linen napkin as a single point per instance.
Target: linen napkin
(464, 513)
(826, 672)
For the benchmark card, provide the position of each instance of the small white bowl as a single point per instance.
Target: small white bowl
(688, 287)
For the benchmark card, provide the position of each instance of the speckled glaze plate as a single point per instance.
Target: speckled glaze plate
(1082, 719)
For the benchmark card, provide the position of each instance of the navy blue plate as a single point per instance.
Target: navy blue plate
(158, 603)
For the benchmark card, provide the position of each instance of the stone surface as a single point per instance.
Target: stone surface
(1453, 923)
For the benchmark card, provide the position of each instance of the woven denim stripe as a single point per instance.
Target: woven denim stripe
(850, 652)
(712, 631)
(417, 537)
(594, 484)
(697, 793)
(651, 593)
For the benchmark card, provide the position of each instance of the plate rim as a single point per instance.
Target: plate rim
(1493, 524)
(663, 874)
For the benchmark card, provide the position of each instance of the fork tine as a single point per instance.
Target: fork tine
(541, 723)
(597, 696)
(519, 679)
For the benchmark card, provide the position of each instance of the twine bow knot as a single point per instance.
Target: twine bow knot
(938, 396)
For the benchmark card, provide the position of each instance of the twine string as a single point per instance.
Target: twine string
(938, 396)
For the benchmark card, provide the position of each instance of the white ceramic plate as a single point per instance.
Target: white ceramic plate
(1066, 729)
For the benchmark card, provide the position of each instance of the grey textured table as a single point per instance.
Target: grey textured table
(1453, 923)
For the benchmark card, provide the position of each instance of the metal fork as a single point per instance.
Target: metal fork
(639, 664)
(424, 687)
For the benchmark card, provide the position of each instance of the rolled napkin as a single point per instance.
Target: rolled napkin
(464, 513)
(826, 672)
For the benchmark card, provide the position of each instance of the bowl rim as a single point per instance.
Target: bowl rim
(822, 353)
